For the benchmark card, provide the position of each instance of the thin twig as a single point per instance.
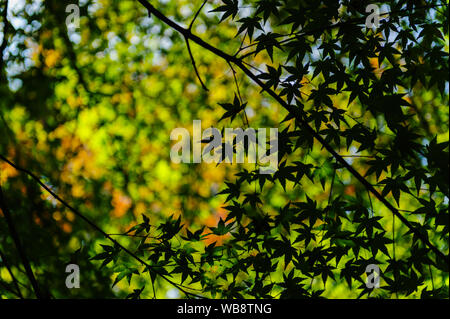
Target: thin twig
(8, 267)
(354, 21)
(244, 117)
(189, 47)
(194, 65)
(7, 288)
(19, 247)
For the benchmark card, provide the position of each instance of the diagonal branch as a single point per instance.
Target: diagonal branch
(93, 225)
(293, 110)
(354, 21)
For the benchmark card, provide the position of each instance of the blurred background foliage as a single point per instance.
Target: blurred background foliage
(90, 112)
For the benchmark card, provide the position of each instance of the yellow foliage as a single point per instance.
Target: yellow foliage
(121, 203)
(52, 57)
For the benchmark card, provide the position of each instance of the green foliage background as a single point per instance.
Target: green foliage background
(90, 112)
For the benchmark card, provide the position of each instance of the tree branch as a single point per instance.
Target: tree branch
(17, 243)
(291, 109)
(93, 225)
(197, 13)
(5, 39)
(15, 281)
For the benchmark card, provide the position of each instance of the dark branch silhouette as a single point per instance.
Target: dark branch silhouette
(19, 247)
(292, 110)
(94, 226)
